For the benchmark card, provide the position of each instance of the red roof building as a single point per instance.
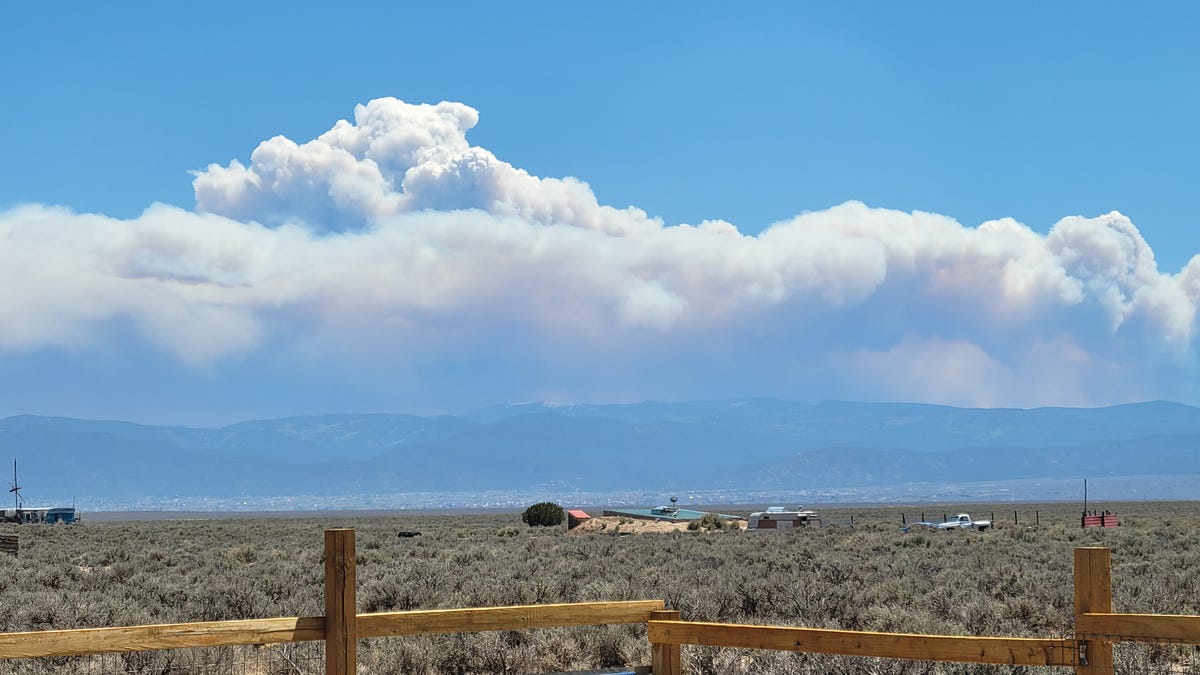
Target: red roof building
(575, 517)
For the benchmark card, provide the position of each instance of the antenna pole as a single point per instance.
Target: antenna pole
(1085, 496)
(16, 489)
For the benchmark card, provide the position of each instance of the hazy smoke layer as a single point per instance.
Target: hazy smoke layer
(391, 237)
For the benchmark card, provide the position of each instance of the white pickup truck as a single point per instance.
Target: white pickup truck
(963, 522)
(960, 522)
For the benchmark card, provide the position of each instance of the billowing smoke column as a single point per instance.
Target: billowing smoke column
(392, 236)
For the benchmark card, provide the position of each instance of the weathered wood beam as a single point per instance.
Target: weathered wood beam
(1093, 594)
(665, 658)
(955, 648)
(83, 641)
(519, 617)
(341, 621)
(164, 636)
(1139, 627)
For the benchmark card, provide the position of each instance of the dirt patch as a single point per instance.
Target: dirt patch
(623, 525)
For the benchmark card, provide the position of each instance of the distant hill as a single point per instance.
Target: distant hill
(736, 444)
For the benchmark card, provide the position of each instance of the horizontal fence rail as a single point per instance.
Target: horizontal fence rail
(520, 617)
(961, 649)
(84, 641)
(1140, 627)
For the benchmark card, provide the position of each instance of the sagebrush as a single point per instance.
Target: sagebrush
(1013, 581)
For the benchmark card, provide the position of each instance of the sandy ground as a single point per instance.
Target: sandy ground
(623, 525)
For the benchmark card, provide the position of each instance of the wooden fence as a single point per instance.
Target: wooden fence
(1089, 651)
(9, 544)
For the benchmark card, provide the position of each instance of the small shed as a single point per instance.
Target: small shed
(575, 517)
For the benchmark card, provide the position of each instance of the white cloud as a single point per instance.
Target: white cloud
(397, 158)
(394, 230)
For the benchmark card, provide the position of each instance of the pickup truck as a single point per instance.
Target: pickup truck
(963, 522)
(960, 522)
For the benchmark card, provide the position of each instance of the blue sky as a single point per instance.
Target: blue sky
(703, 112)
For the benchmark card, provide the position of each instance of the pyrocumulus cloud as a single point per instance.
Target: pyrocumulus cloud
(392, 234)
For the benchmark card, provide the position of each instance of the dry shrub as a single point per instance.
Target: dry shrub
(1013, 581)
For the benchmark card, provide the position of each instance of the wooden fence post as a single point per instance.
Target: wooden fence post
(1093, 594)
(341, 627)
(665, 659)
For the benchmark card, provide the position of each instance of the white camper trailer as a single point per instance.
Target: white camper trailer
(782, 518)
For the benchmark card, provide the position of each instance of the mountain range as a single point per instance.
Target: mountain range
(740, 444)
